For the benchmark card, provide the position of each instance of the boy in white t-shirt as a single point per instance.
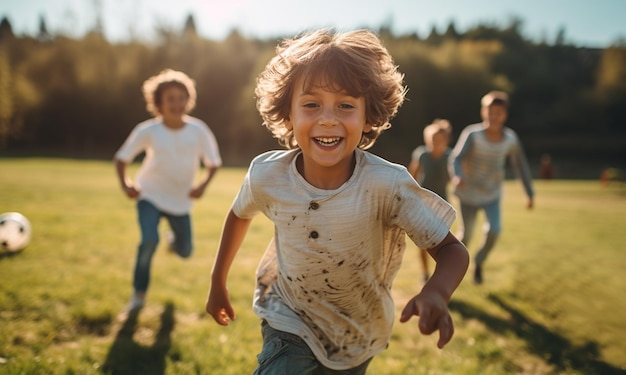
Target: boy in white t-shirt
(341, 214)
(174, 145)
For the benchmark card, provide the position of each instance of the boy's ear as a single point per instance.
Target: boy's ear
(288, 124)
(367, 128)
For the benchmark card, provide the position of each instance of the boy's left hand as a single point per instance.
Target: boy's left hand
(433, 314)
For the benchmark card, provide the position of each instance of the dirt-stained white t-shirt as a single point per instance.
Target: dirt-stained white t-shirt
(327, 274)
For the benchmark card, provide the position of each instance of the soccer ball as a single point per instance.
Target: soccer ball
(15, 231)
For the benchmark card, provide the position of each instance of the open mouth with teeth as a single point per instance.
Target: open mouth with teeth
(328, 141)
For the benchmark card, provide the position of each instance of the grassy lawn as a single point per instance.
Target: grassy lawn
(553, 300)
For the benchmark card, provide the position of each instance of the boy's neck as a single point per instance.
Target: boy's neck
(437, 151)
(494, 133)
(174, 123)
(325, 178)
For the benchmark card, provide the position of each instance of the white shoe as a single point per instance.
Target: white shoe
(136, 303)
(170, 238)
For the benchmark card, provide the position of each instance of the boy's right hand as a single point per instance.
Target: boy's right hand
(433, 314)
(218, 305)
(130, 191)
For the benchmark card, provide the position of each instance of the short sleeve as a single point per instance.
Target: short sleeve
(417, 154)
(211, 155)
(244, 206)
(136, 142)
(425, 216)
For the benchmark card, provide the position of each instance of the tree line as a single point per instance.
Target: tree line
(81, 96)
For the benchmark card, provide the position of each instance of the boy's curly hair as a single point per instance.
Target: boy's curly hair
(354, 61)
(154, 86)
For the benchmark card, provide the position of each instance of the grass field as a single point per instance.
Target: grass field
(553, 300)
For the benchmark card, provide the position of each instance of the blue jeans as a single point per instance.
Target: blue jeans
(492, 228)
(149, 217)
(287, 354)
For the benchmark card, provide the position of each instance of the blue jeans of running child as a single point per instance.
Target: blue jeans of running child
(492, 227)
(287, 354)
(149, 217)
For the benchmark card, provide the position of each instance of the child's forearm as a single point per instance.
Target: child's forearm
(452, 261)
(210, 173)
(233, 234)
(120, 169)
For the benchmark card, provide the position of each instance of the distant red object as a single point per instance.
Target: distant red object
(609, 175)
(546, 169)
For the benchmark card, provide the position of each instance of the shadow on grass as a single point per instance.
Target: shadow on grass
(127, 357)
(8, 254)
(555, 349)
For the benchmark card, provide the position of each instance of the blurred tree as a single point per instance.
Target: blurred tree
(511, 35)
(98, 25)
(611, 87)
(620, 42)
(6, 30)
(17, 97)
(560, 37)
(7, 123)
(43, 35)
(189, 31)
(434, 37)
(451, 32)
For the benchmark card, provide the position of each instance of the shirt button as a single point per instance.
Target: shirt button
(314, 205)
(314, 234)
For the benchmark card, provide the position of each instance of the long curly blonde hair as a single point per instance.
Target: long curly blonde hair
(354, 61)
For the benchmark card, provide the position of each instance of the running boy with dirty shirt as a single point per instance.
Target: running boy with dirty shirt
(340, 213)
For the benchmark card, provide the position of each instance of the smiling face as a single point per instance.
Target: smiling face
(173, 104)
(328, 125)
(494, 116)
(440, 141)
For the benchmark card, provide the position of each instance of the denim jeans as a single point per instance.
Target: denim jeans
(492, 228)
(149, 216)
(287, 354)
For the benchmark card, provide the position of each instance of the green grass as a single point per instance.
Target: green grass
(552, 303)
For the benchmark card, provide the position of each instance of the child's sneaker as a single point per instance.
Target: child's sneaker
(136, 302)
(170, 238)
(478, 274)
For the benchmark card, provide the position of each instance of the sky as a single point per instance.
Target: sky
(590, 23)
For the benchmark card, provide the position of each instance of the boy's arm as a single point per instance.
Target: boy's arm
(414, 169)
(415, 166)
(520, 163)
(452, 260)
(198, 191)
(431, 304)
(218, 302)
(127, 186)
(461, 148)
